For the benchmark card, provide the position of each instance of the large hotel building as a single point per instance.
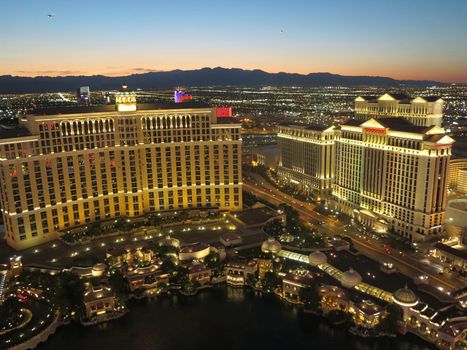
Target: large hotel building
(390, 164)
(420, 111)
(66, 167)
(306, 157)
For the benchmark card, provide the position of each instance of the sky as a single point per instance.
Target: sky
(403, 39)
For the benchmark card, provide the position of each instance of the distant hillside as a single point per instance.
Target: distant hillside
(200, 77)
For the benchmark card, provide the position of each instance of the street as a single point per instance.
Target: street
(408, 265)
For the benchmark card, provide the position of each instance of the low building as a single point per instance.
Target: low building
(99, 302)
(333, 298)
(16, 266)
(98, 270)
(237, 271)
(293, 283)
(256, 216)
(455, 258)
(168, 241)
(147, 281)
(267, 156)
(230, 239)
(446, 327)
(200, 273)
(146, 277)
(195, 251)
(366, 313)
(340, 244)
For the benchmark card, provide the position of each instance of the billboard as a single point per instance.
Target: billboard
(224, 112)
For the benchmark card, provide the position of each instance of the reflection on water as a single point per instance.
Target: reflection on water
(230, 318)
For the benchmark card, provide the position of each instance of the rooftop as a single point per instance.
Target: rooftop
(13, 131)
(393, 123)
(400, 124)
(111, 108)
(304, 280)
(315, 127)
(460, 253)
(252, 216)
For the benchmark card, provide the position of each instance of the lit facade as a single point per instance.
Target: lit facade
(458, 175)
(99, 301)
(307, 157)
(392, 174)
(72, 166)
(420, 111)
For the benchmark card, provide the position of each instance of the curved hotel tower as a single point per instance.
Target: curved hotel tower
(66, 167)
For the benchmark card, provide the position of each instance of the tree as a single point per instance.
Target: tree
(339, 317)
(311, 298)
(9, 312)
(389, 324)
(252, 279)
(180, 276)
(119, 284)
(94, 228)
(123, 224)
(165, 250)
(70, 293)
(168, 264)
(292, 219)
(270, 282)
(213, 262)
(155, 220)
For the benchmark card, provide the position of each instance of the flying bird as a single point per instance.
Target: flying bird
(51, 15)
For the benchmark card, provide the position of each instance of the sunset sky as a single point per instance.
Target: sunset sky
(410, 39)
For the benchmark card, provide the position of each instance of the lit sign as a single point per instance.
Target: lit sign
(377, 131)
(224, 112)
(180, 96)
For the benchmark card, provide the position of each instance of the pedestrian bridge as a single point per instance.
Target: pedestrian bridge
(337, 274)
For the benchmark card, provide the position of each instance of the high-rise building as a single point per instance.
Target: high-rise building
(66, 167)
(393, 175)
(83, 94)
(306, 157)
(420, 111)
(457, 175)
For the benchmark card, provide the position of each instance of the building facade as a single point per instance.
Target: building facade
(458, 175)
(420, 111)
(393, 175)
(72, 166)
(307, 157)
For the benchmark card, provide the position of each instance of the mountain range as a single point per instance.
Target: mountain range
(200, 77)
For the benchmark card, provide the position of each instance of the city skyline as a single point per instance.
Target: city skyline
(114, 39)
(245, 174)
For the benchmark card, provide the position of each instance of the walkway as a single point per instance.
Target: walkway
(337, 274)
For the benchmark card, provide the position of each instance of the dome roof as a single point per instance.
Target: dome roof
(350, 278)
(169, 241)
(99, 267)
(271, 246)
(405, 297)
(317, 258)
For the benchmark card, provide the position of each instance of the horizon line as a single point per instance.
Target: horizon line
(141, 71)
